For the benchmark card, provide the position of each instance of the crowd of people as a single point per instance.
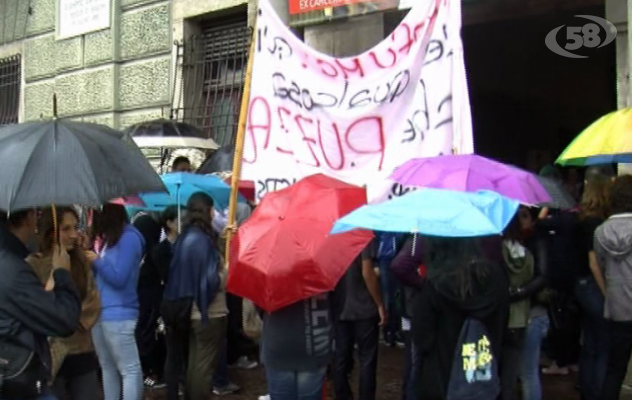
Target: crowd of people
(102, 302)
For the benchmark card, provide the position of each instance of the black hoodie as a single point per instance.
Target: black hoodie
(438, 317)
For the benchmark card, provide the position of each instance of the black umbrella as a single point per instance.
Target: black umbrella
(220, 161)
(167, 133)
(63, 162)
(560, 197)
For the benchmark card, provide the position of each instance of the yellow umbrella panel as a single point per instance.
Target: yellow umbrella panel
(608, 140)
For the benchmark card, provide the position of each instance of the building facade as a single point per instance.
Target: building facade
(185, 59)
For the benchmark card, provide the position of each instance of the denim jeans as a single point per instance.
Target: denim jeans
(296, 385)
(594, 354)
(115, 343)
(389, 288)
(42, 397)
(411, 369)
(530, 375)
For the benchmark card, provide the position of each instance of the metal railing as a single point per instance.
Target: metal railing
(213, 67)
(10, 83)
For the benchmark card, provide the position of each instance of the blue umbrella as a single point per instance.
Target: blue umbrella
(182, 185)
(435, 212)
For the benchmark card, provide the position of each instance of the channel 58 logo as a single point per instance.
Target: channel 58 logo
(596, 33)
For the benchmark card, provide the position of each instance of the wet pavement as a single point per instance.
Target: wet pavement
(389, 381)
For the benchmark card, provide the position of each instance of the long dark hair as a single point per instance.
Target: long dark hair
(47, 235)
(109, 224)
(199, 209)
(459, 262)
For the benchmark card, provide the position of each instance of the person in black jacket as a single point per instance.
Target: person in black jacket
(462, 282)
(151, 347)
(28, 313)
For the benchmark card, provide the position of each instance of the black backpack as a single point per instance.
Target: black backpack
(474, 374)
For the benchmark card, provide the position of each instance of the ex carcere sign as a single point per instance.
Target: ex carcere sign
(356, 118)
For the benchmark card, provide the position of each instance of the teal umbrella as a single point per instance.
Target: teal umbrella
(435, 212)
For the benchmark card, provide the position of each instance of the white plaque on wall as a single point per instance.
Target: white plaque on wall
(78, 17)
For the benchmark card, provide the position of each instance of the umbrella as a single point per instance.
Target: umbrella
(606, 141)
(560, 196)
(283, 253)
(134, 201)
(219, 161)
(169, 134)
(182, 185)
(64, 162)
(246, 188)
(471, 173)
(435, 212)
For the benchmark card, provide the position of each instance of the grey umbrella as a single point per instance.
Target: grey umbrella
(64, 162)
(560, 197)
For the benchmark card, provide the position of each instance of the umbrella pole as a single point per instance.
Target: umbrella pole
(239, 146)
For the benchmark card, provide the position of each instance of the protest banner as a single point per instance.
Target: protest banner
(356, 118)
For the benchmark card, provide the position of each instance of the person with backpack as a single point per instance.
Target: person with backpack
(29, 313)
(458, 321)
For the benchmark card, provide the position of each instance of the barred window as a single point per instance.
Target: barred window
(10, 79)
(213, 73)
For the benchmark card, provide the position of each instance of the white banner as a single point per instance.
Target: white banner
(356, 118)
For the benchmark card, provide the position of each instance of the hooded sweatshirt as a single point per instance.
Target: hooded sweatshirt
(117, 271)
(438, 318)
(519, 262)
(613, 247)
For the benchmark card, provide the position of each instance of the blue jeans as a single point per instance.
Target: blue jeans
(389, 288)
(530, 375)
(296, 385)
(593, 359)
(42, 397)
(411, 369)
(115, 343)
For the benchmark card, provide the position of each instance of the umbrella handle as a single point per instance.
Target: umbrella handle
(55, 231)
(179, 211)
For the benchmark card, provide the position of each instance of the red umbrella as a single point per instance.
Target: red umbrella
(284, 253)
(246, 188)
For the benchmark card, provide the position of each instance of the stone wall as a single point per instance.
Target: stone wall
(117, 76)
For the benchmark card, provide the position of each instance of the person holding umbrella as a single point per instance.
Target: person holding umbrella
(75, 365)
(28, 313)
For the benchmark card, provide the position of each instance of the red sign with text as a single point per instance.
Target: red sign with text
(303, 6)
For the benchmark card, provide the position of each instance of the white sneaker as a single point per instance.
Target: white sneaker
(245, 363)
(266, 397)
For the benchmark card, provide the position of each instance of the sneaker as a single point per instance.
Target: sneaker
(266, 397)
(245, 363)
(226, 390)
(555, 370)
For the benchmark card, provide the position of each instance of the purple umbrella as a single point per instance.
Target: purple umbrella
(471, 173)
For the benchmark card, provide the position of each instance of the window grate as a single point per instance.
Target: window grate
(213, 66)
(10, 82)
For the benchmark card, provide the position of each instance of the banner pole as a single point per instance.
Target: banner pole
(239, 147)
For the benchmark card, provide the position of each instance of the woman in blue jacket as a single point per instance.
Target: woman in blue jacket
(117, 268)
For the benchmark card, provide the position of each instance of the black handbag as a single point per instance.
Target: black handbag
(21, 371)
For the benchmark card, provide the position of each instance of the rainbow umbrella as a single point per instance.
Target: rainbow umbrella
(608, 140)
